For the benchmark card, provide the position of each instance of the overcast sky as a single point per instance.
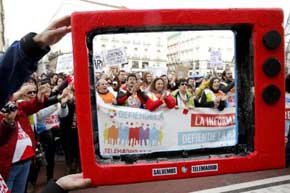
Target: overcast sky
(23, 16)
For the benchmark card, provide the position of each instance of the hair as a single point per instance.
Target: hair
(180, 81)
(32, 80)
(50, 75)
(211, 81)
(190, 78)
(62, 76)
(152, 86)
(144, 77)
(44, 81)
(164, 75)
(121, 71)
(132, 75)
(98, 82)
(224, 74)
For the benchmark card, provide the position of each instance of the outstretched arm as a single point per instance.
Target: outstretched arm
(20, 59)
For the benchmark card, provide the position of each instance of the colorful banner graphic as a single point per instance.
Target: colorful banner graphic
(125, 130)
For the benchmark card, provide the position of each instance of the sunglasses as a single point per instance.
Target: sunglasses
(31, 92)
(183, 84)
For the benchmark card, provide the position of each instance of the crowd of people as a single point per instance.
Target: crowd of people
(40, 115)
(41, 108)
(41, 100)
(152, 93)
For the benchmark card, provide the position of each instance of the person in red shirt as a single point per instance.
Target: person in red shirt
(130, 94)
(159, 96)
(17, 140)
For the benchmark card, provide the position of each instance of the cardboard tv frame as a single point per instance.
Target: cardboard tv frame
(259, 39)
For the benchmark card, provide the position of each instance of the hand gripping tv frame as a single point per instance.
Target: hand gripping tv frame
(121, 144)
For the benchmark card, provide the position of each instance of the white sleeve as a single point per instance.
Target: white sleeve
(62, 112)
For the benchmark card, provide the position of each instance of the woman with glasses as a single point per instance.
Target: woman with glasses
(17, 140)
(183, 97)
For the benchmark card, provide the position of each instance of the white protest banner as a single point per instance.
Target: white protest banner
(215, 60)
(64, 64)
(98, 61)
(116, 57)
(125, 130)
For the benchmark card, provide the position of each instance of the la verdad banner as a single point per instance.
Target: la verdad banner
(126, 130)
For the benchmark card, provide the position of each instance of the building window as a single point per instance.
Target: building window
(135, 64)
(144, 65)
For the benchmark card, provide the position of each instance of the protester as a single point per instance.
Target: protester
(122, 77)
(213, 97)
(159, 96)
(68, 125)
(49, 118)
(103, 93)
(130, 94)
(183, 97)
(227, 83)
(18, 141)
(147, 80)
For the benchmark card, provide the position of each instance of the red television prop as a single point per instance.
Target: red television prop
(259, 53)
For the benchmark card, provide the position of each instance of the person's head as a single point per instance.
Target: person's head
(191, 82)
(53, 79)
(227, 75)
(31, 80)
(182, 85)
(131, 80)
(165, 79)
(102, 86)
(45, 85)
(147, 78)
(157, 85)
(30, 91)
(122, 76)
(214, 84)
(60, 79)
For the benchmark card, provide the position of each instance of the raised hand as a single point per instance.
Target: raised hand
(54, 32)
(73, 182)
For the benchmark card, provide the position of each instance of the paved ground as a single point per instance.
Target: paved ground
(202, 184)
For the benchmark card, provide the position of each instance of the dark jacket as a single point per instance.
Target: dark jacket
(52, 187)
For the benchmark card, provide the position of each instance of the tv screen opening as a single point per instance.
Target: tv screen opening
(169, 95)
